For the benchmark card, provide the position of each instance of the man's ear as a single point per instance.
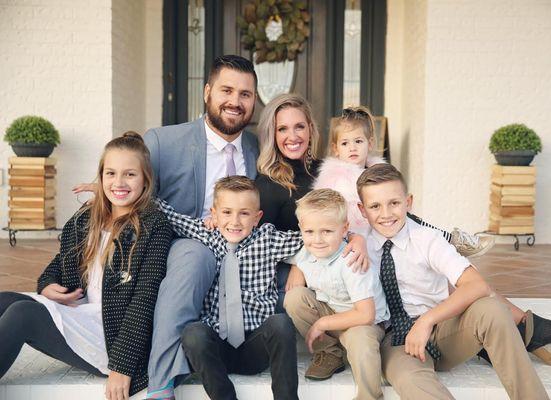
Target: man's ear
(213, 215)
(206, 92)
(409, 201)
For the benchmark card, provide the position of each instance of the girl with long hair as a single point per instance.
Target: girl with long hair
(96, 298)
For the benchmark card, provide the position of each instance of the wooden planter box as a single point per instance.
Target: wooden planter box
(512, 200)
(32, 193)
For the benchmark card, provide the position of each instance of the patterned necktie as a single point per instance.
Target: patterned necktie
(399, 318)
(230, 164)
(230, 308)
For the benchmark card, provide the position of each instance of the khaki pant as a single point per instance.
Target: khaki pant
(486, 323)
(362, 343)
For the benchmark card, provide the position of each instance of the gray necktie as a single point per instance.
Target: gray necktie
(230, 165)
(230, 308)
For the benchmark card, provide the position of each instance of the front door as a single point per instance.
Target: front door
(342, 62)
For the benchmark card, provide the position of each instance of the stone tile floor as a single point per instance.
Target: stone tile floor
(524, 275)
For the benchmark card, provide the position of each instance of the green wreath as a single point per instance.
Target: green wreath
(290, 17)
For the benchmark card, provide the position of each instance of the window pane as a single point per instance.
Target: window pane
(352, 53)
(196, 57)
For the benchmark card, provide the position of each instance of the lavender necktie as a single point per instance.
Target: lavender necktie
(229, 149)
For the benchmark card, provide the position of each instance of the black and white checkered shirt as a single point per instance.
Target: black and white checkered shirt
(258, 255)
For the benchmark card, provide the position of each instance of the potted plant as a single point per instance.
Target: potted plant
(515, 144)
(32, 136)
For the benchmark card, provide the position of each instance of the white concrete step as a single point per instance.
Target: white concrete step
(35, 376)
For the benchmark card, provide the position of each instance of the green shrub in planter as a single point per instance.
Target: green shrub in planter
(515, 144)
(32, 136)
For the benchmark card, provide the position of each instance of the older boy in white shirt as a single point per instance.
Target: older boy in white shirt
(339, 306)
(415, 265)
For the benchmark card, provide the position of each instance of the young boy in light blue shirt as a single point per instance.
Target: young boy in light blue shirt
(339, 306)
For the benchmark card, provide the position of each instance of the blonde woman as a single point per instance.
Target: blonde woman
(95, 301)
(287, 166)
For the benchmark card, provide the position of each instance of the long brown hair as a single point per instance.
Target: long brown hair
(101, 215)
(270, 161)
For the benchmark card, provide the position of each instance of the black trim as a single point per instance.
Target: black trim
(175, 69)
(373, 47)
(335, 55)
(214, 33)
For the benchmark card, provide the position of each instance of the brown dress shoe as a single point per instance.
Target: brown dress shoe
(323, 366)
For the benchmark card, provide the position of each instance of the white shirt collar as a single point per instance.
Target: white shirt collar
(399, 240)
(327, 260)
(218, 142)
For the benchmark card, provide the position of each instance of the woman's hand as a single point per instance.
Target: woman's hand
(117, 386)
(358, 260)
(59, 294)
(295, 278)
(209, 223)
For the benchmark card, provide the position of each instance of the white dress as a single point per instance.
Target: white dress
(82, 326)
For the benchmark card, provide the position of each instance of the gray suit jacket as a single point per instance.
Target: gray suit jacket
(179, 159)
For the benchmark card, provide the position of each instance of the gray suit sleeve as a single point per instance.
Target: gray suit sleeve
(152, 142)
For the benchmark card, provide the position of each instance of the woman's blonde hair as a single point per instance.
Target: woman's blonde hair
(351, 118)
(101, 212)
(270, 161)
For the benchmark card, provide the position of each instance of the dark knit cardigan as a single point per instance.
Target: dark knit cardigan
(127, 304)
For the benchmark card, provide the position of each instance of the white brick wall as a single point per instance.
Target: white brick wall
(93, 68)
(486, 64)
(55, 62)
(128, 39)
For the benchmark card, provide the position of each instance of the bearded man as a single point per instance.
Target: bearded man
(187, 160)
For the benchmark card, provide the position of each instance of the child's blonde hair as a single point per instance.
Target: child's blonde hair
(323, 200)
(101, 211)
(351, 118)
(235, 184)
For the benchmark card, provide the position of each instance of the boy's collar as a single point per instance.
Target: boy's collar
(330, 259)
(399, 240)
(243, 243)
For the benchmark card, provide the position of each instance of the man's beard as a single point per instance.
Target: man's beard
(217, 122)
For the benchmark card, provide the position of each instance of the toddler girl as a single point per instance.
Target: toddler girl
(351, 139)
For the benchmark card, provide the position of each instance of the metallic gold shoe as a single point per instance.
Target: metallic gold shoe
(471, 245)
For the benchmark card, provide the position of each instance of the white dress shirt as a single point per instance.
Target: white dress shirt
(424, 263)
(336, 284)
(216, 164)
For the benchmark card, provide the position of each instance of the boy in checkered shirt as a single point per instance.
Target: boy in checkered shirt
(263, 338)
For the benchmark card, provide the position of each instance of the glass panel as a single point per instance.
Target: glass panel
(196, 58)
(352, 53)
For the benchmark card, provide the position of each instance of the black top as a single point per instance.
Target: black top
(276, 201)
(128, 300)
